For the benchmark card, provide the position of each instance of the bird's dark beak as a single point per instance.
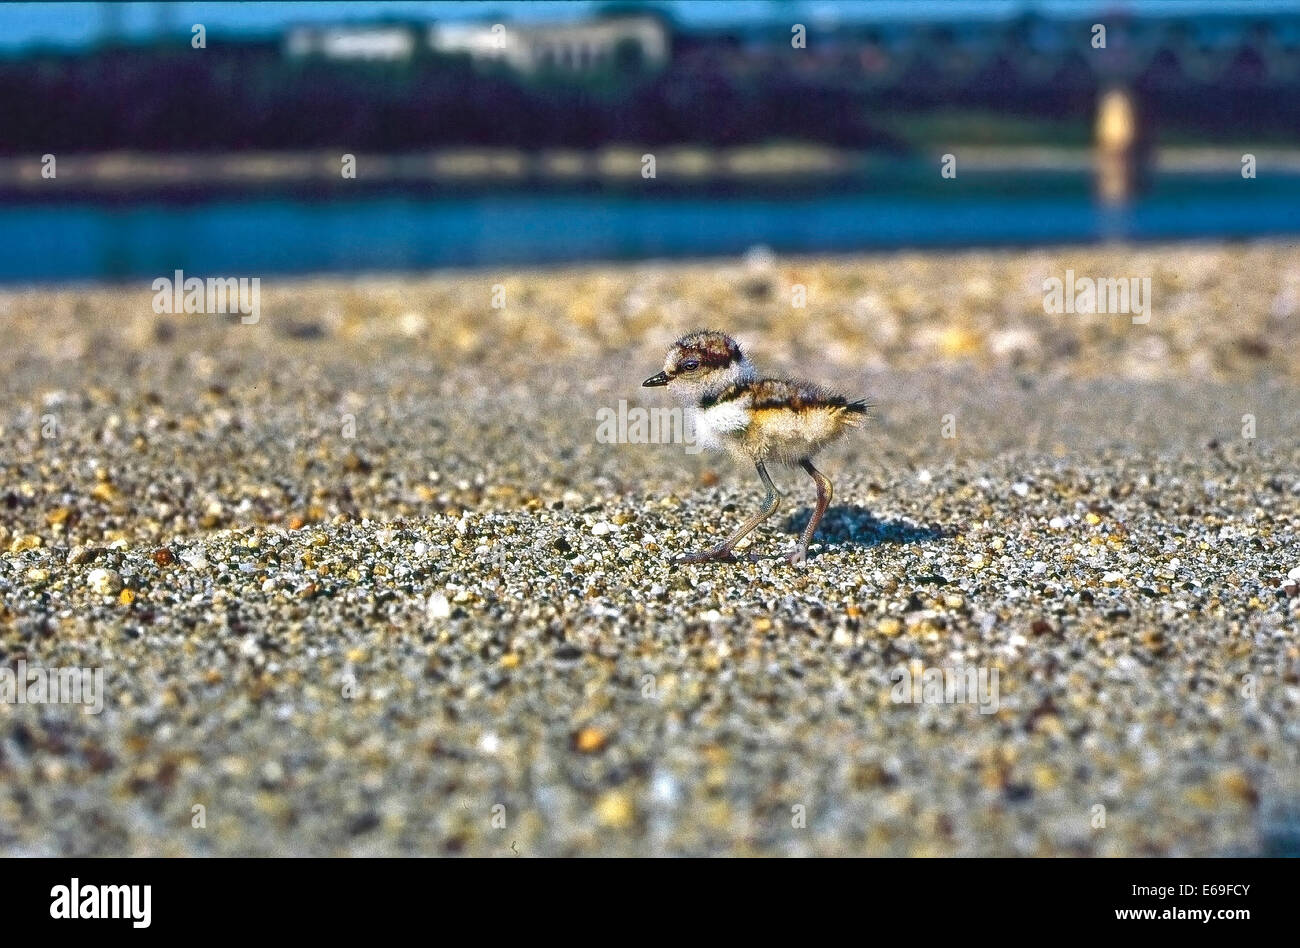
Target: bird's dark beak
(655, 380)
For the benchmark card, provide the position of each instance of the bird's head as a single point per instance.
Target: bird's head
(702, 363)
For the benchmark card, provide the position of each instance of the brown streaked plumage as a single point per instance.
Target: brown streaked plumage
(760, 420)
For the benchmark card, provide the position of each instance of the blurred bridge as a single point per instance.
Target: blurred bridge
(1038, 51)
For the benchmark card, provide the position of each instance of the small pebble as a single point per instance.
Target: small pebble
(104, 582)
(589, 740)
(438, 607)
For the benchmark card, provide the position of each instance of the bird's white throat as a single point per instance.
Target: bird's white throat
(714, 424)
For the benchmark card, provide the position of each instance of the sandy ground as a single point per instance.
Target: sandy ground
(362, 577)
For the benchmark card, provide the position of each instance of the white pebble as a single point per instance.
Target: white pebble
(663, 789)
(105, 582)
(438, 607)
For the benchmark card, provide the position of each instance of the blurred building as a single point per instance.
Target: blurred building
(382, 43)
(576, 47)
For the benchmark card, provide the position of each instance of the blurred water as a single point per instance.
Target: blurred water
(262, 236)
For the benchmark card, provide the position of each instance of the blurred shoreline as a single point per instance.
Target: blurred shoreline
(783, 166)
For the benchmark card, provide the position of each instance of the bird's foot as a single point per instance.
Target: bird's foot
(797, 555)
(717, 554)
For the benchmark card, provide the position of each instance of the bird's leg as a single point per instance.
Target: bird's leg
(824, 493)
(723, 550)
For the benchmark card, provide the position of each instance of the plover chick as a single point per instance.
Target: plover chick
(763, 421)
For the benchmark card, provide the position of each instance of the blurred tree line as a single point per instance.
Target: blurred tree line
(249, 95)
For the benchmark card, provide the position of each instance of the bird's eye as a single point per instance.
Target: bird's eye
(691, 365)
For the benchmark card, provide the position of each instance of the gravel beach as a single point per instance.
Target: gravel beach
(363, 578)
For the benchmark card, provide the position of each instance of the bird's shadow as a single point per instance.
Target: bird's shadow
(845, 523)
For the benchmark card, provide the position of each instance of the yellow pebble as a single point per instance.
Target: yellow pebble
(614, 809)
(1045, 778)
(1237, 785)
